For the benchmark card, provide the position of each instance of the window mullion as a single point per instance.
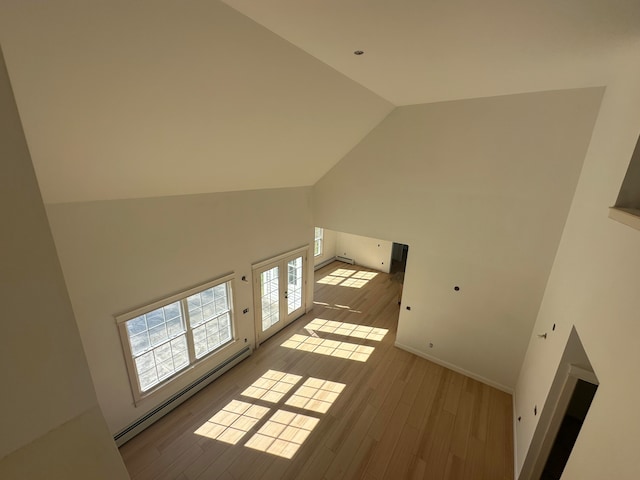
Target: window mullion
(187, 322)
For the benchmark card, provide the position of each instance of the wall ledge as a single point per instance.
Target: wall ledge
(627, 216)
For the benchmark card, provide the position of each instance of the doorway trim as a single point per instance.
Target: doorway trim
(303, 251)
(282, 256)
(572, 375)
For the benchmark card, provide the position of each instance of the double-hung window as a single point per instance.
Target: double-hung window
(165, 338)
(317, 243)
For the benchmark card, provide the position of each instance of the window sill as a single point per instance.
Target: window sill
(627, 216)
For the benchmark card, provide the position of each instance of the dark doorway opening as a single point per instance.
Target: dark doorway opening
(399, 253)
(572, 421)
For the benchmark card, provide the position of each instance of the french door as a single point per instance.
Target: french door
(279, 292)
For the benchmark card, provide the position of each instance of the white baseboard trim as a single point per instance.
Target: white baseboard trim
(172, 402)
(455, 368)
(324, 263)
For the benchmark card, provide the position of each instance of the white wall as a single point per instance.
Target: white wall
(367, 252)
(47, 391)
(480, 190)
(122, 254)
(594, 287)
(328, 247)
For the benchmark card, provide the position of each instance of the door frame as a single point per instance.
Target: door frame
(257, 305)
(552, 425)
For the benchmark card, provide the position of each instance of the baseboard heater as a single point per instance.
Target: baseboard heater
(325, 263)
(340, 258)
(161, 410)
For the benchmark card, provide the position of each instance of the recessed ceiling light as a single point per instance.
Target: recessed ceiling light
(358, 52)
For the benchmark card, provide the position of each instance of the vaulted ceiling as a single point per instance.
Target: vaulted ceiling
(124, 99)
(421, 51)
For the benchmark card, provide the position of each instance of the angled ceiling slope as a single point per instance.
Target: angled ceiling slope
(423, 51)
(125, 99)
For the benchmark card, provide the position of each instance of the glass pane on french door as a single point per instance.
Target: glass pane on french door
(294, 285)
(270, 297)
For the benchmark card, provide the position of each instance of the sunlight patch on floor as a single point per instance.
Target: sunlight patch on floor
(231, 423)
(337, 307)
(316, 395)
(272, 386)
(348, 278)
(283, 433)
(330, 280)
(354, 283)
(343, 272)
(331, 348)
(346, 329)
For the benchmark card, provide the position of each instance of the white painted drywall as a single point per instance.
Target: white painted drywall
(545, 414)
(594, 286)
(46, 381)
(152, 98)
(79, 449)
(122, 254)
(328, 247)
(367, 252)
(480, 190)
(428, 51)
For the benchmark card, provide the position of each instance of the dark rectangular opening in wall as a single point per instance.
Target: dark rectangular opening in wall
(572, 421)
(399, 253)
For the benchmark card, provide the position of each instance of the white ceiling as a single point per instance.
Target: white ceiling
(123, 99)
(130, 99)
(420, 51)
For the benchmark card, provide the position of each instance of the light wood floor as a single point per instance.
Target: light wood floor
(334, 414)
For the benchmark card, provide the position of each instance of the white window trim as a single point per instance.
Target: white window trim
(320, 239)
(122, 319)
(262, 263)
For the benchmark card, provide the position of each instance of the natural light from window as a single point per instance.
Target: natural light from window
(331, 280)
(272, 386)
(318, 241)
(343, 272)
(346, 329)
(348, 278)
(316, 395)
(231, 423)
(283, 433)
(337, 307)
(332, 348)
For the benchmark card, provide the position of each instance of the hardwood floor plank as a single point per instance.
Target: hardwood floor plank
(474, 462)
(361, 459)
(386, 410)
(480, 411)
(462, 426)
(439, 445)
(417, 469)
(387, 443)
(356, 436)
(403, 454)
(455, 468)
(454, 390)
